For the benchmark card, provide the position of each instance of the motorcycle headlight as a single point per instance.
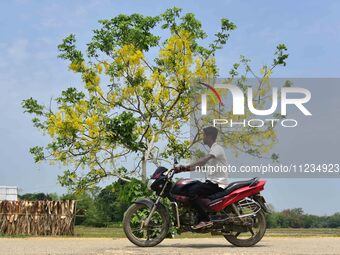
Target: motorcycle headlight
(150, 183)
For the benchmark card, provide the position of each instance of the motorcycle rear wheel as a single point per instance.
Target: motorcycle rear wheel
(243, 239)
(152, 235)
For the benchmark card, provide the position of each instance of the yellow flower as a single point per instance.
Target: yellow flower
(51, 130)
(77, 66)
(99, 68)
(107, 66)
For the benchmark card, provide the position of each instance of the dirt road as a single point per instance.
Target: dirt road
(214, 246)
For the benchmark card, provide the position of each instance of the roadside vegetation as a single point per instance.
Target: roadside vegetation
(104, 208)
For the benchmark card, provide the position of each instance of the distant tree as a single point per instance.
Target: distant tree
(114, 199)
(313, 221)
(296, 218)
(87, 213)
(38, 196)
(333, 221)
(101, 207)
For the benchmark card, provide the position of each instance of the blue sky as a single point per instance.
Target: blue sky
(31, 30)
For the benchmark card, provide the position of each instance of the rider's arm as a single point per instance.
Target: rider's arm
(201, 162)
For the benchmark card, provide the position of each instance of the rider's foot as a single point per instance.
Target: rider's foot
(203, 224)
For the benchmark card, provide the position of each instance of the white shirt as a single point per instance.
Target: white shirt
(217, 166)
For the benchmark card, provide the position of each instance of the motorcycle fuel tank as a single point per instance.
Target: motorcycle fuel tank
(181, 186)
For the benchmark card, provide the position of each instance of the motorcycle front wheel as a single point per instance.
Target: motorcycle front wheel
(254, 234)
(140, 235)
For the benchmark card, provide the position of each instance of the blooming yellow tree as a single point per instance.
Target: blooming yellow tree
(131, 105)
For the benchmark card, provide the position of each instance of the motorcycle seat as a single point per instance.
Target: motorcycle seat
(233, 186)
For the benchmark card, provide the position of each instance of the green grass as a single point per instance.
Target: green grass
(113, 232)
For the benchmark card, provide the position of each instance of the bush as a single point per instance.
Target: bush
(102, 207)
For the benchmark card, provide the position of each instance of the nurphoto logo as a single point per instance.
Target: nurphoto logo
(238, 105)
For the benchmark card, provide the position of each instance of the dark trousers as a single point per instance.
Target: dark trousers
(201, 189)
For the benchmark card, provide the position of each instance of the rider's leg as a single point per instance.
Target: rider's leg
(198, 190)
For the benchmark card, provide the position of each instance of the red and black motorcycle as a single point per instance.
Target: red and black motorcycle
(237, 212)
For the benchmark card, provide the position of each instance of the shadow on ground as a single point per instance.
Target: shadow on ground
(198, 246)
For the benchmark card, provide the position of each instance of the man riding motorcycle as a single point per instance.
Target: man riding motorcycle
(237, 211)
(215, 180)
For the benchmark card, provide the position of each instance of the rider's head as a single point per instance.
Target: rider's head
(209, 135)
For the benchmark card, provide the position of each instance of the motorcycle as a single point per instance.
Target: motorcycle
(237, 212)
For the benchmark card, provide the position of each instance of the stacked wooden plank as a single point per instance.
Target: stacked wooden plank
(37, 217)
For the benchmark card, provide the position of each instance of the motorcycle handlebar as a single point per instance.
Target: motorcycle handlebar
(171, 173)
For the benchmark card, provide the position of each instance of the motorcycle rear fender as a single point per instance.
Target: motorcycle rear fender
(262, 202)
(237, 195)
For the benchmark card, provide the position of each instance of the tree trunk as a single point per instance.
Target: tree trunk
(144, 170)
(146, 157)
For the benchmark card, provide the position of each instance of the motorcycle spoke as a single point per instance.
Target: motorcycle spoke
(135, 229)
(148, 228)
(154, 227)
(251, 231)
(146, 233)
(237, 234)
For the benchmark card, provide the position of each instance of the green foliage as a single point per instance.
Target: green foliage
(188, 22)
(103, 207)
(121, 130)
(123, 29)
(68, 49)
(132, 104)
(70, 96)
(281, 55)
(38, 153)
(87, 212)
(275, 157)
(296, 218)
(31, 106)
(38, 196)
(143, 107)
